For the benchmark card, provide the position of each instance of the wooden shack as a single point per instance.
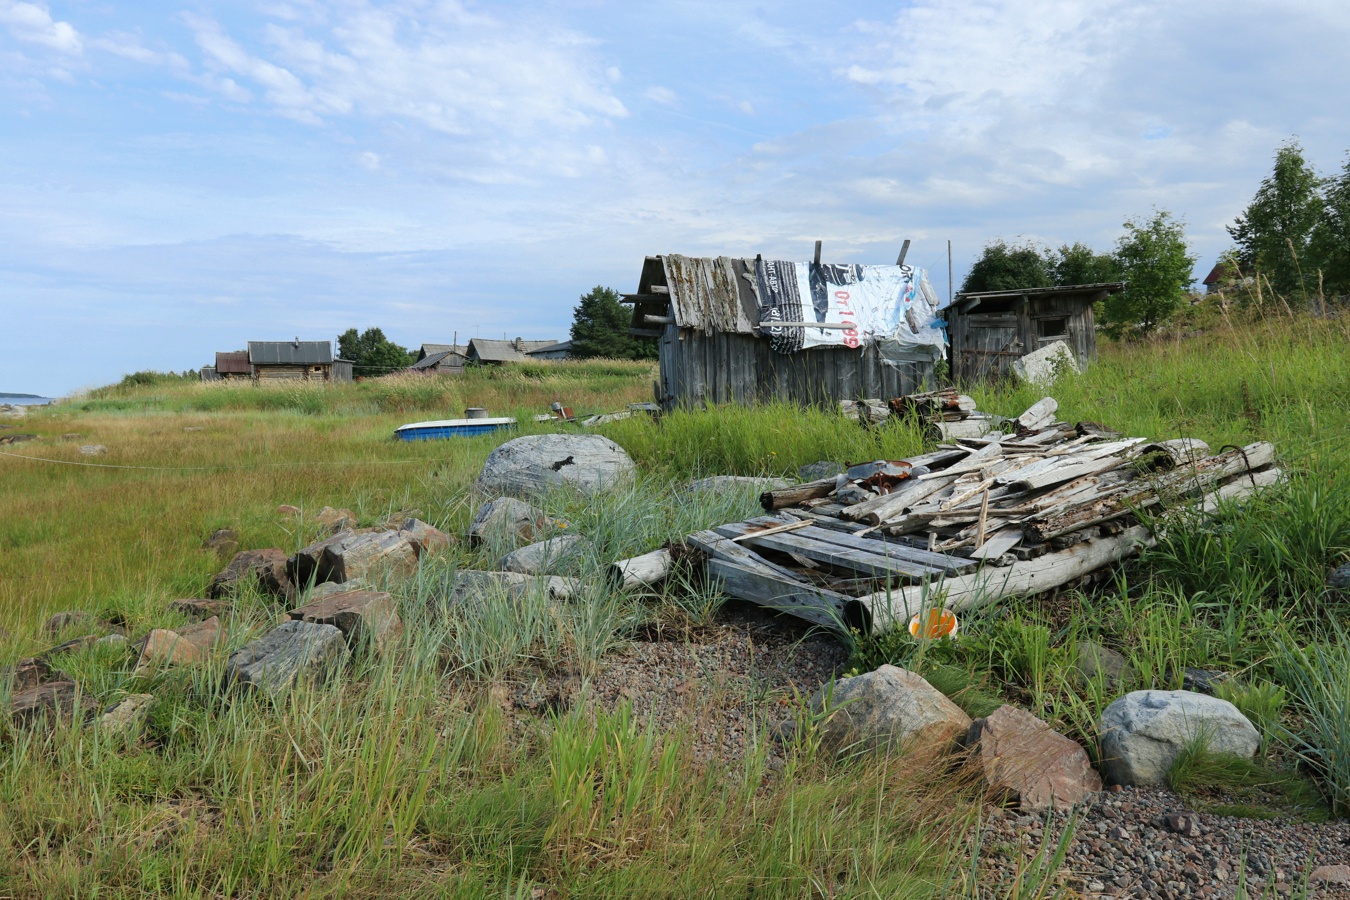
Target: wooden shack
(704, 313)
(295, 360)
(989, 330)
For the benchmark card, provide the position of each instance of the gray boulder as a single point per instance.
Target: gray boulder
(546, 557)
(817, 471)
(1093, 661)
(1339, 579)
(1143, 732)
(890, 708)
(275, 662)
(537, 463)
(736, 483)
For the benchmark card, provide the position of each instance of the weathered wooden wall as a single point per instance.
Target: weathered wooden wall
(737, 368)
(985, 344)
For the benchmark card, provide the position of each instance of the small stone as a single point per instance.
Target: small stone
(1025, 760)
(425, 538)
(118, 641)
(1186, 824)
(1222, 872)
(59, 699)
(1094, 661)
(93, 450)
(224, 541)
(127, 716)
(289, 511)
(1339, 579)
(70, 618)
(293, 650)
(1095, 886)
(188, 645)
(203, 609)
(335, 520)
(267, 568)
(508, 516)
(1201, 681)
(31, 672)
(1339, 874)
(545, 557)
(887, 709)
(1143, 732)
(360, 615)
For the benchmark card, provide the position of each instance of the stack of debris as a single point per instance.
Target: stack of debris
(1016, 511)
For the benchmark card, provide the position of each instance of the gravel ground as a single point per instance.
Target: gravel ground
(1123, 847)
(723, 681)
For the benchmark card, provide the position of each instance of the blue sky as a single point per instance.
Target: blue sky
(179, 178)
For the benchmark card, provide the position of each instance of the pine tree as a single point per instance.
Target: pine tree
(600, 329)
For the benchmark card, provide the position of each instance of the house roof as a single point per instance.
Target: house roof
(290, 353)
(1220, 271)
(968, 301)
(232, 362)
(450, 357)
(504, 351)
(431, 349)
(699, 292)
(560, 347)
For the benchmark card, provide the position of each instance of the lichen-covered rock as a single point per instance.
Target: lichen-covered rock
(425, 538)
(335, 520)
(1143, 732)
(1024, 760)
(127, 716)
(545, 557)
(199, 609)
(1339, 579)
(891, 708)
(537, 463)
(292, 651)
(472, 585)
(70, 618)
(1094, 662)
(61, 700)
(359, 555)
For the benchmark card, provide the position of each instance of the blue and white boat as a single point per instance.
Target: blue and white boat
(448, 428)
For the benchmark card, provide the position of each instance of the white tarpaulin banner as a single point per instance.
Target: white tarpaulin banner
(805, 305)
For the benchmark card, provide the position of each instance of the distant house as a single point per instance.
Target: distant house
(560, 350)
(441, 359)
(295, 360)
(483, 352)
(233, 364)
(1219, 277)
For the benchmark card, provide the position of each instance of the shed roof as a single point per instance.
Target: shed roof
(1220, 271)
(432, 349)
(290, 353)
(232, 362)
(559, 347)
(450, 357)
(504, 351)
(703, 293)
(966, 302)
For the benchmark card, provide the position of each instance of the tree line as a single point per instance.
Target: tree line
(1294, 236)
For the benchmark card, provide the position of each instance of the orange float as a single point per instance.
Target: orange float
(933, 624)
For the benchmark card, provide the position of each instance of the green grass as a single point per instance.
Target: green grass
(408, 778)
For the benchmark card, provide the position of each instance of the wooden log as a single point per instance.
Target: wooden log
(972, 427)
(758, 585)
(797, 493)
(641, 571)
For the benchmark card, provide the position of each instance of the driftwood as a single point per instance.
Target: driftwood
(797, 493)
(641, 571)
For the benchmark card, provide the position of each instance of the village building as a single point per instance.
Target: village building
(296, 360)
(484, 352)
(441, 359)
(560, 350)
(990, 330)
(705, 315)
(233, 364)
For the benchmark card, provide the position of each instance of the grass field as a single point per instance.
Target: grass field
(407, 779)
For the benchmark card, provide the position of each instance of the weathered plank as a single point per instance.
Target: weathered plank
(891, 550)
(827, 552)
(755, 584)
(719, 547)
(797, 493)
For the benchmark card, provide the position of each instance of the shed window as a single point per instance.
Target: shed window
(1056, 327)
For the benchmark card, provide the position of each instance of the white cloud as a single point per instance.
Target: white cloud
(663, 95)
(370, 161)
(33, 24)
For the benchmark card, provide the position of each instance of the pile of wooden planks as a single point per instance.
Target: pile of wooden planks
(1016, 511)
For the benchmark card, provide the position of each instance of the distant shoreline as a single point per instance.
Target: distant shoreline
(4, 396)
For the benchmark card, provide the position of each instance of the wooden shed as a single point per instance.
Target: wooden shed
(705, 314)
(295, 360)
(989, 330)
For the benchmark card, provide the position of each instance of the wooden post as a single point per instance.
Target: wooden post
(818, 243)
(949, 274)
(904, 251)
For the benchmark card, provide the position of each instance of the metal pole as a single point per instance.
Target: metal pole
(949, 271)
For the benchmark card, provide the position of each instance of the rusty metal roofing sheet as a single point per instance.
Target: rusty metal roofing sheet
(233, 362)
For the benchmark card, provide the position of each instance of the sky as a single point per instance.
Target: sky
(179, 178)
